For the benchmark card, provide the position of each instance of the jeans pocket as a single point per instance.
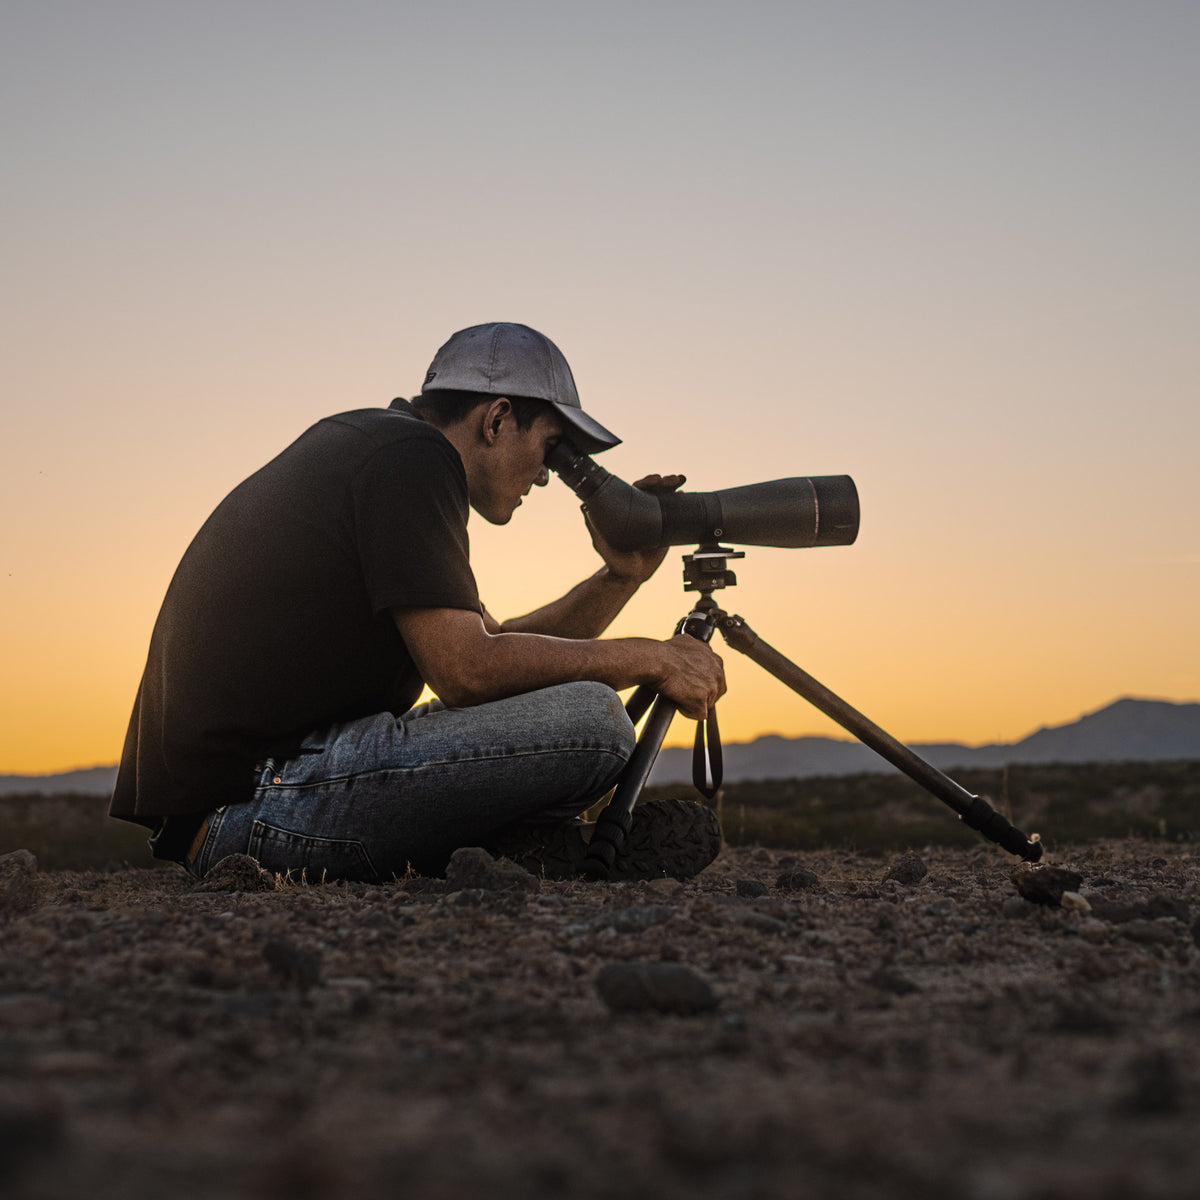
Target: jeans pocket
(316, 858)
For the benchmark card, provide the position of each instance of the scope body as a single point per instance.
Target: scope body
(803, 511)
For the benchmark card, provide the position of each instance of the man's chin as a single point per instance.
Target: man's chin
(497, 518)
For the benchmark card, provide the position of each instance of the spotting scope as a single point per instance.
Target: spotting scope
(820, 510)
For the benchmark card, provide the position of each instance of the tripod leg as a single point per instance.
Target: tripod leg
(974, 810)
(613, 823)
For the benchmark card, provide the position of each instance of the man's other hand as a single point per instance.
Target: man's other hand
(635, 566)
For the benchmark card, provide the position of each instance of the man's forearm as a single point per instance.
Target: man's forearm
(464, 664)
(586, 611)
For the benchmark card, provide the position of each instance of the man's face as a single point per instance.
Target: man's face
(515, 464)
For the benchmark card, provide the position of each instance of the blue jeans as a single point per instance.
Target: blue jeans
(368, 799)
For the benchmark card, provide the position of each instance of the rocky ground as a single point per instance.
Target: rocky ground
(825, 1025)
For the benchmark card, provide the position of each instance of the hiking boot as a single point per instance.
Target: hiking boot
(669, 839)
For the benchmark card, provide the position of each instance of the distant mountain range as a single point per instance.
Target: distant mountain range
(1125, 731)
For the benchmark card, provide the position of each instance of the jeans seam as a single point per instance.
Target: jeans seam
(214, 828)
(435, 763)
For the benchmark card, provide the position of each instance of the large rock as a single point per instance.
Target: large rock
(655, 987)
(474, 867)
(1045, 885)
(237, 873)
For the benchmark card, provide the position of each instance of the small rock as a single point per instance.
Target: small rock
(1154, 1085)
(1148, 933)
(1090, 929)
(74, 1062)
(474, 867)
(1119, 912)
(28, 1010)
(32, 1127)
(888, 980)
(655, 987)
(907, 869)
(763, 922)
(18, 882)
(749, 888)
(1045, 885)
(237, 873)
(664, 887)
(796, 879)
(627, 920)
(300, 968)
(1077, 1017)
(1074, 902)
(421, 885)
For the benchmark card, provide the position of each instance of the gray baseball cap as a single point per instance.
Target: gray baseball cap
(502, 359)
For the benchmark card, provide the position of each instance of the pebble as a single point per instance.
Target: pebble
(796, 879)
(1149, 933)
(1090, 929)
(907, 869)
(32, 1126)
(1074, 902)
(1154, 1085)
(301, 968)
(73, 1062)
(752, 918)
(625, 920)
(655, 987)
(751, 888)
(664, 887)
(28, 1010)
(18, 882)
(886, 979)
(1118, 912)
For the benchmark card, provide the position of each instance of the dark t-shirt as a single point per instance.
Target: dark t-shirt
(277, 621)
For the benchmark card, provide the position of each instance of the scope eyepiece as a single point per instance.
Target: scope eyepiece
(803, 511)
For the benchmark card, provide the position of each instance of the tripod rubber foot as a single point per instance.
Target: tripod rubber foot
(983, 817)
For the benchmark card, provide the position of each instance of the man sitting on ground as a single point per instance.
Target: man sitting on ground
(276, 713)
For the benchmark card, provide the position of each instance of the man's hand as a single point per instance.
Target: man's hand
(635, 566)
(693, 676)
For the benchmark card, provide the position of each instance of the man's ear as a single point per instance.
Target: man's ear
(494, 416)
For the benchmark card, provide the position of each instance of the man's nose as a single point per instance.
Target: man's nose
(543, 476)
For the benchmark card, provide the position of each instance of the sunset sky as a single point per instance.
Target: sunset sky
(950, 249)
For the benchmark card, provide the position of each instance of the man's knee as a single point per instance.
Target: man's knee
(597, 711)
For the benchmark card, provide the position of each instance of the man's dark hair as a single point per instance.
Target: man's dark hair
(445, 408)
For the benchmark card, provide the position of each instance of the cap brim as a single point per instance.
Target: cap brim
(583, 432)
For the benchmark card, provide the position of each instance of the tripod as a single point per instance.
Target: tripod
(706, 571)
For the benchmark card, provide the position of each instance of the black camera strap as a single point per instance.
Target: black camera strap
(706, 756)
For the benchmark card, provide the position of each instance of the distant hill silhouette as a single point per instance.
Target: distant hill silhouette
(98, 780)
(1127, 730)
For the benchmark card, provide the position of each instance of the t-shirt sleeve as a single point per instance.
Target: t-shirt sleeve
(410, 517)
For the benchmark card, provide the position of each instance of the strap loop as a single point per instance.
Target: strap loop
(708, 738)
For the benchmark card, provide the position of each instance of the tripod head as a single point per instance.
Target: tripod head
(707, 569)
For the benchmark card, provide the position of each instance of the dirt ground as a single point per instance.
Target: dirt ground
(799, 1026)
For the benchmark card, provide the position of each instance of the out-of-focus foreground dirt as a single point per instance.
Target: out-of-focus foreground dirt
(852, 1036)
